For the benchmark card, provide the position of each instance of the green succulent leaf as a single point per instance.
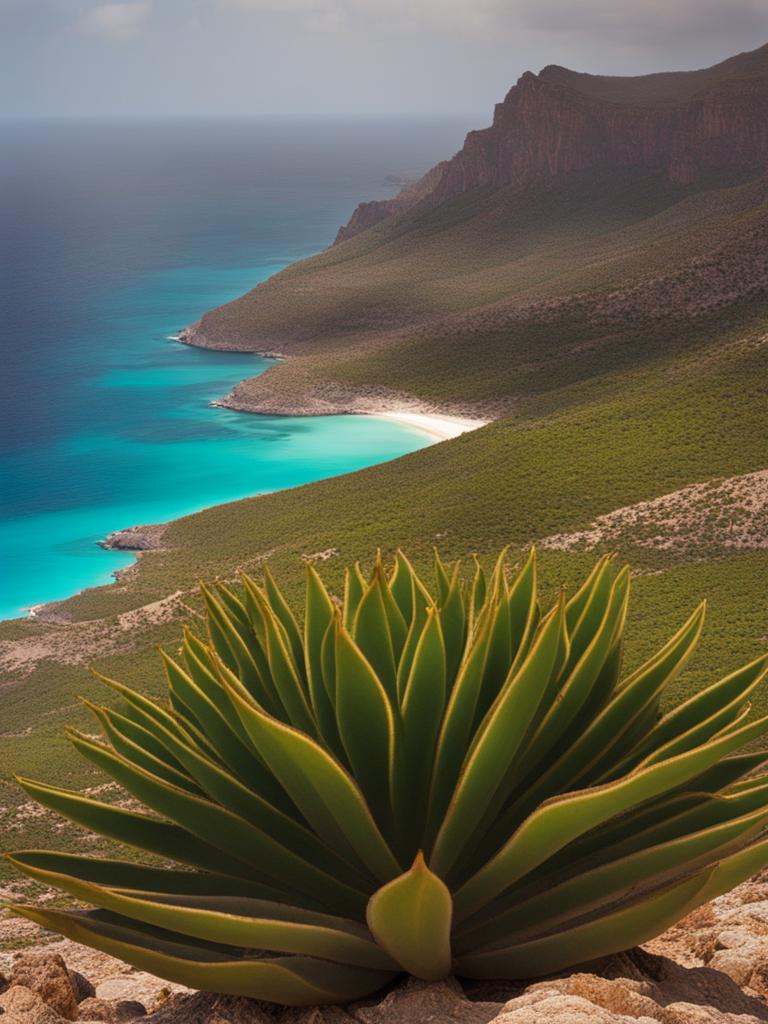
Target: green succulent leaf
(133, 876)
(410, 918)
(319, 614)
(422, 710)
(379, 631)
(453, 621)
(230, 920)
(234, 835)
(139, 830)
(355, 585)
(327, 795)
(496, 745)
(581, 943)
(283, 612)
(619, 879)
(366, 723)
(564, 818)
(292, 980)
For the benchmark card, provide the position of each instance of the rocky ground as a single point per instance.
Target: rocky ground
(80, 643)
(730, 514)
(712, 968)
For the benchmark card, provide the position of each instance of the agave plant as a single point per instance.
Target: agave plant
(409, 782)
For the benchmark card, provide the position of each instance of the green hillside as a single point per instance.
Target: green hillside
(615, 329)
(493, 295)
(569, 453)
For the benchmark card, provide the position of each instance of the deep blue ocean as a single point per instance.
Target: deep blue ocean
(113, 236)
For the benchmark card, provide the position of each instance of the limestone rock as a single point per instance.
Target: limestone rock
(202, 1008)
(729, 935)
(119, 1011)
(551, 1005)
(47, 975)
(667, 982)
(654, 990)
(20, 1005)
(137, 986)
(82, 988)
(135, 538)
(622, 996)
(417, 1001)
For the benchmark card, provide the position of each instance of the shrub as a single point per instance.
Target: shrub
(408, 781)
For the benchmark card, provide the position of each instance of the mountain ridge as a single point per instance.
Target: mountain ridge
(572, 224)
(691, 125)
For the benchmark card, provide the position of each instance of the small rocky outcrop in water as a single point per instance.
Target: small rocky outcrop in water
(135, 538)
(712, 968)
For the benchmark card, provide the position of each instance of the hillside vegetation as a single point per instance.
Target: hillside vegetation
(615, 328)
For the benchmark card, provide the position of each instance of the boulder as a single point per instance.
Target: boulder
(21, 1005)
(137, 986)
(640, 998)
(417, 1001)
(82, 988)
(47, 975)
(729, 935)
(667, 982)
(555, 1007)
(119, 1011)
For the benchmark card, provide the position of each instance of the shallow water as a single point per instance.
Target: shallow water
(115, 237)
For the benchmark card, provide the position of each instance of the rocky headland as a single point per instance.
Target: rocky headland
(594, 205)
(136, 538)
(691, 126)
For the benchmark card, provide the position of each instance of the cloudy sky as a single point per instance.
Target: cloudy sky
(138, 57)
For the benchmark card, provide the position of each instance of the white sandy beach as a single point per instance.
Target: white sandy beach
(441, 428)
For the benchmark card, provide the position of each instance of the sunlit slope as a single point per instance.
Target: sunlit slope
(451, 305)
(571, 452)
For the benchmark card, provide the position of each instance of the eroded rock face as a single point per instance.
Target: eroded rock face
(115, 1011)
(729, 935)
(20, 1005)
(366, 215)
(546, 129)
(46, 975)
(688, 127)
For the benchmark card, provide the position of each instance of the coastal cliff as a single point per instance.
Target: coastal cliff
(367, 215)
(597, 218)
(690, 127)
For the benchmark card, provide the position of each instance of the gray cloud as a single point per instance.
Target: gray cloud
(632, 21)
(117, 20)
(643, 22)
(320, 56)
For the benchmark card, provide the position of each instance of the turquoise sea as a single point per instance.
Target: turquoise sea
(115, 236)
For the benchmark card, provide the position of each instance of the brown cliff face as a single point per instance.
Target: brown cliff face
(368, 214)
(689, 127)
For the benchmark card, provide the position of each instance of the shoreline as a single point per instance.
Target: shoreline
(139, 539)
(438, 426)
(258, 395)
